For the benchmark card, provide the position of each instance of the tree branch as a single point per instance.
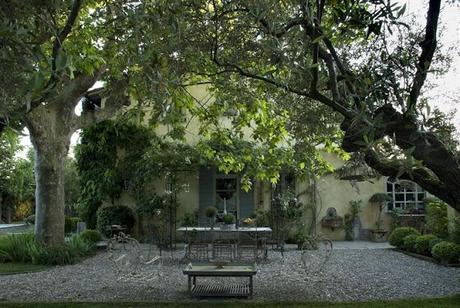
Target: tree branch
(60, 38)
(428, 47)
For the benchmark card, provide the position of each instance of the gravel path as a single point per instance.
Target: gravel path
(348, 275)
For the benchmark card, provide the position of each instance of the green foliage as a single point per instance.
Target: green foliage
(115, 215)
(233, 154)
(154, 206)
(91, 236)
(455, 234)
(211, 211)
(25, 248)
(71, 185)
(446, 252)
(262, 218)
(105, 160)
(70, 224)
(70, 253)
(190, 220)
(434, 242)
(16, 247)
(379, 199)
(396, 237)
(436, 218)
(409, 242)
(422, 244)
(17, 184)
(396, 218)
(228, 218)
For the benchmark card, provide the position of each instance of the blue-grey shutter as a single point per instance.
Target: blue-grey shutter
(246, 203)
(206, 192)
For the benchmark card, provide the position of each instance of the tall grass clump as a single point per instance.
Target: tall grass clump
(24, 248)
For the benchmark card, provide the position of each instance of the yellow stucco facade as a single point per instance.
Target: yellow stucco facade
(330, 192)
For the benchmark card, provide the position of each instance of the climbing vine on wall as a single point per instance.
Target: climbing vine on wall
(106, 160)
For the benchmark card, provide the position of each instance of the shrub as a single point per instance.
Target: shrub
(16, 247)
(190, 220)
(114, 215)
(25, 248)
(422, 244)
(91, 236)
(409, 242)
(436, 218)
(446, 252)
(70, 225)
(455, 235)
(397, 236)
(229, 218)
(79, 247)
(210, 212)
(434, 242)
(69, 253)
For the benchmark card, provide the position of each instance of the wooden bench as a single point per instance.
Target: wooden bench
(212, 270)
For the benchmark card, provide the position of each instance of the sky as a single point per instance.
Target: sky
(446, 92)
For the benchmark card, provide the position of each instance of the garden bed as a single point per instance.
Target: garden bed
(426, 258)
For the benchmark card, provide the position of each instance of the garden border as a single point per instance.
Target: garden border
(426, 258)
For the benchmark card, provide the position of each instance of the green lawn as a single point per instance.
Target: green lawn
(17, 268)
(446, 302)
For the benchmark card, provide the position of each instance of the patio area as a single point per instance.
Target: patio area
(353, 273)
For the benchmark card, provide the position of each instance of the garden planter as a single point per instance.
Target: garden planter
(378, 235)
(227, 226)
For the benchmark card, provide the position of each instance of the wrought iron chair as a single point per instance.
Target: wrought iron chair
(223, 250)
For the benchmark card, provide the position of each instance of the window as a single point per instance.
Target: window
(406, 196)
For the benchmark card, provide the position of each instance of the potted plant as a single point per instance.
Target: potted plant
(211, 213)
(229, 220)
(379, 234)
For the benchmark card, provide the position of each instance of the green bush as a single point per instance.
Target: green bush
(91, 236)
(446, 252)
(190, 220)
(25, 248)
(409, 242)
(229, 218)
(434, 242)
(114, 215)
(69, 253)
(436, 218)
(80, 248)
(210, 212)
(397, 236)
(422, 244)
(70, 225)
(16, 247)
(455, 235)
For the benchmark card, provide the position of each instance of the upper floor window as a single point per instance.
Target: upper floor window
(406, 195)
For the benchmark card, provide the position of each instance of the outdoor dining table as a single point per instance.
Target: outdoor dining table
(252, 232)
(235, 235)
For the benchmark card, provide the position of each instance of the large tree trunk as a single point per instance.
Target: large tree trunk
(1, 207)
(51, 140)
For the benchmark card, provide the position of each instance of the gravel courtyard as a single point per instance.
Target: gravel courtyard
(347, 275)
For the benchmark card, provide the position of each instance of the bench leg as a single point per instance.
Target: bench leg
(189, 283)
(250, 287)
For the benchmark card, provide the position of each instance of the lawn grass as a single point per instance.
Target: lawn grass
(19, 268)
(445, 302)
